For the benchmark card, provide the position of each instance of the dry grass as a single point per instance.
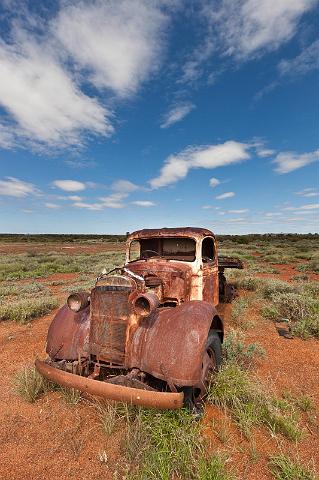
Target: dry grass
(22, 311)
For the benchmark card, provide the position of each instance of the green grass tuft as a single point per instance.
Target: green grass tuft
(250, 404)
(283, 468)
(23, 311)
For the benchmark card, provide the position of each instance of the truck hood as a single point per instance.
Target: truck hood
(175, 276)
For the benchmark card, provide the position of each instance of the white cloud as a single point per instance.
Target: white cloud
(118, 42)
(124, 186)
(237, 219)
(273, 214)
(143, 203)
(288, 161)
(51, 205)
(311, 206)
(303, 63)
(246, 28)
(69, 185)
(264, 152)
(176, 167)
(115, 200)
(114, 45)
(176, 114)
(74, 198)
(44, 103)
(225, 195)
(243, 210)
(13, 187)
(88, 206)
(308, 192)
(213, 182)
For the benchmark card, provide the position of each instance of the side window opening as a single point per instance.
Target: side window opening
(208, 250)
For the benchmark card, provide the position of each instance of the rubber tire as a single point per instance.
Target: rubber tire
(213, 342)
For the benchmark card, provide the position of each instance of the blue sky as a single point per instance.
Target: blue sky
(128, 114)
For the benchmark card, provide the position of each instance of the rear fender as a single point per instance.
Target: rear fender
(170, 343)
(68, 334)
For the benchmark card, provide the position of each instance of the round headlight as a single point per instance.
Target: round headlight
(145, 303)
(78, 301)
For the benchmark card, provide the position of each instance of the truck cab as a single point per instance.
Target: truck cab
(148, 332)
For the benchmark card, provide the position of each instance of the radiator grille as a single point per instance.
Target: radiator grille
(110, 310)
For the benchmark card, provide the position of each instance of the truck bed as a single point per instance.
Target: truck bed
(229, 262)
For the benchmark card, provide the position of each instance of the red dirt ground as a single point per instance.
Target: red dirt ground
(49, 439)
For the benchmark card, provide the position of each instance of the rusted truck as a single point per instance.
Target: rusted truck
(149, 332)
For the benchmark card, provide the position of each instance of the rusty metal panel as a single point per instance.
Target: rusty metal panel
(175, 277)
(210, 283)
(118, 393)
(170, 343)
(68, 334)
(110, 310)
(173, 232)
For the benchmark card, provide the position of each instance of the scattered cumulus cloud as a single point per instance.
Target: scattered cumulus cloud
(143, 203)
(117, 42)
(69, 185)
(53, 206)
(124, 186)
(213, 182)
(308, 192)
(88, 206)
(289, 161)
(311, 206)
(176, 114)
(13, 187)
(272, 214)
(225, 195)
(176, 167)
(115, 200)
(305, 62)
(246, 28)
(43, 102)
(113, 46)
(236, 220)
(74, 198)
(239, 211)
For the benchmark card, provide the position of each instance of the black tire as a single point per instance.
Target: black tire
(194, 396)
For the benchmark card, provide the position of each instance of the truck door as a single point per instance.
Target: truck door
(210, 271)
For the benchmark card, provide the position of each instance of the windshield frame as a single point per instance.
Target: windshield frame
(179, 237)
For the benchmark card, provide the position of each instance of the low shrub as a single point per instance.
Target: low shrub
(23, 311)
(29, 384)
(284, 468)
(239, 311)
(250, 404)
(270, 287)
(237, 352)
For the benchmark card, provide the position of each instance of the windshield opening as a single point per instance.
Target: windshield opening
(170, 248)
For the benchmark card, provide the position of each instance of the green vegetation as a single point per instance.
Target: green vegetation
(250, 404)
(283, 468)
(22, 311)
(29, 384)
(237, 352)
(165, 445)
(14, 267)
(71, 396)
(22, 289)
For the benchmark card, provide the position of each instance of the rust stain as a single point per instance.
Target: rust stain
(143, 327)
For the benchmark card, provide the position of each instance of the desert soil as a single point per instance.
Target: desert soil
(50, 439)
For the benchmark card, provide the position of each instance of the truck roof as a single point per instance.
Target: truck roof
(171, 232)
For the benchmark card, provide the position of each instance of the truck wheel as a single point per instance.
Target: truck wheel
(212, 359)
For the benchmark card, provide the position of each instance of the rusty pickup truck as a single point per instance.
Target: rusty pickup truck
(149, 332)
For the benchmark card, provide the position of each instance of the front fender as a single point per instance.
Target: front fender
(68, 334)
(170, 343)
